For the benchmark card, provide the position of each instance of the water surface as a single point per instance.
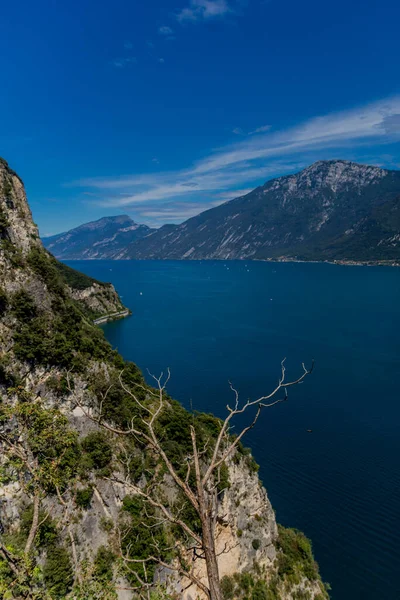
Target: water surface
(211, 322)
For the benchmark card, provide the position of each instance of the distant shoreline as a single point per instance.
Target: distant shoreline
(341, 262)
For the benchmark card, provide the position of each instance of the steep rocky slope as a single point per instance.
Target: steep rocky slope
(332, 210)
(98, 239)
(72, 519)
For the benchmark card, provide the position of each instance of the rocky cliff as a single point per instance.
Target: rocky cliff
(332, 210)
(75, 464)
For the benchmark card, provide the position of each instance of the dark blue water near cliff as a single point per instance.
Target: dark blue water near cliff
(212, 322)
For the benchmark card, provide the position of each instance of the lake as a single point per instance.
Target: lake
(214, 322)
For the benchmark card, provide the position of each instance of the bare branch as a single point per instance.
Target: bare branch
(35, 524)
(260, 403)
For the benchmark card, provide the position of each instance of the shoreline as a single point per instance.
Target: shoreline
(112, 317)
(340, 262)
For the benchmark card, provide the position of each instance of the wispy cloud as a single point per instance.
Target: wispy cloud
(165, 30)
(240, 131)
(231, 170)
(128, 45)
(262, 129)
(198, 10)
(391, 123)
(174, 211)
(125, 61)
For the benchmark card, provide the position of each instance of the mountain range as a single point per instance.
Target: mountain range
(333, 210)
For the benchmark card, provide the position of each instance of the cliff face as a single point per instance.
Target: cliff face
(71, 521)
(20, 245)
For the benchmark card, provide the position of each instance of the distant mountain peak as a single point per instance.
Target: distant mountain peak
(98, 239)
(104, 221)
(333, 174)
(337, 168)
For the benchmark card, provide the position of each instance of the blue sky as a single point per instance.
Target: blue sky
(163, 108)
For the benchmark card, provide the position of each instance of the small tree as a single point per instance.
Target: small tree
(199, 481)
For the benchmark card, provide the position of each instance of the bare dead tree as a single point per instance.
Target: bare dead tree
(203, 466)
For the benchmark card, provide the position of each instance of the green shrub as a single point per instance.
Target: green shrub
(44, 265)
(4, 223)
(245, 581)
(103, 564)
(12, 253)
(23, 306)
(6, 578)
(50, 439)
(256, 544)
(300, 594)
(227, 587)
(295, 555)
(7, 379)
(97, 450)
(31, 342)
(58, 572)
(47, 534)
(84, 497)
(224, 483)
(7, 187)
(3, 302)
(260, 591)
(245, 453)
(139, 543)
(106, 525)
(58, 385)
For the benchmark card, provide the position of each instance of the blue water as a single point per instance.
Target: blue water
(212, 322)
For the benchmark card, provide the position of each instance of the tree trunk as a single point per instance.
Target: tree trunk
(207, 528)
(35, 524)
(211, 558)
(208, 539)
